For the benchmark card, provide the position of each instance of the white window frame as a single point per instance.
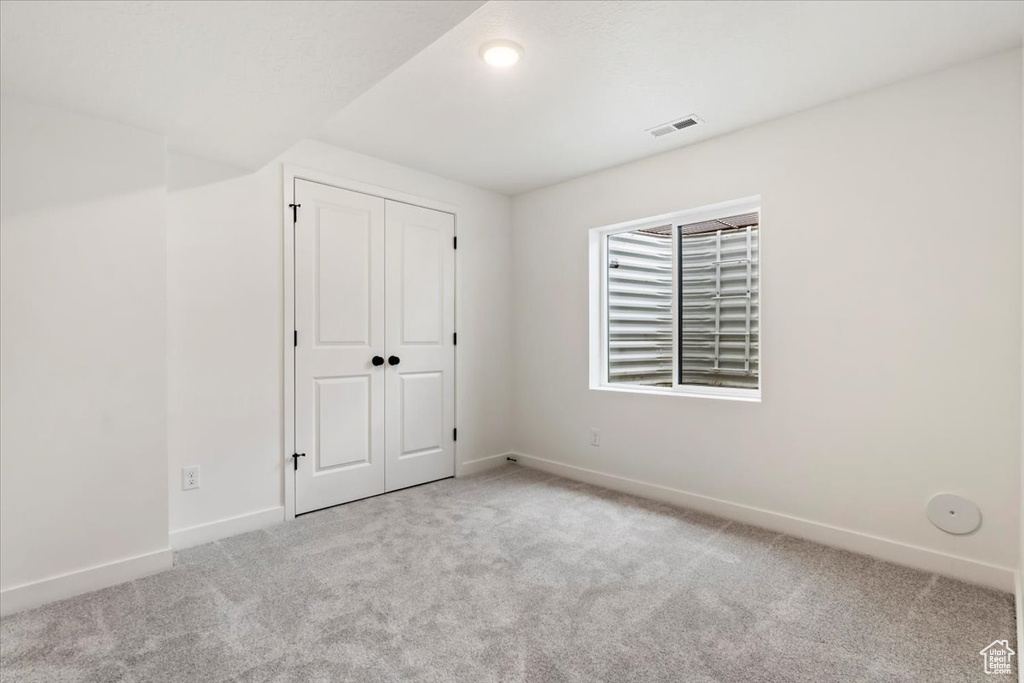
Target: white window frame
(598, 242)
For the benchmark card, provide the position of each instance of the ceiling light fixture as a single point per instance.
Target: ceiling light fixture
(501, 53)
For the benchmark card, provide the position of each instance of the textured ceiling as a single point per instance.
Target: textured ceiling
(595, 75)
(242, 81)
(233, 81)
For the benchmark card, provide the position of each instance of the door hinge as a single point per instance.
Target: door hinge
(295, 459)
(455, 242)
(295, 212)
(455, 434)
(296, 340)
(455, 338)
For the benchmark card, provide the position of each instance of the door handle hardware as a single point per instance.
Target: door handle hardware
(377, 361)
(394, 360)
(295, 459)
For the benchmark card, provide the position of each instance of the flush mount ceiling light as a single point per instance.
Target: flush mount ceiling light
(501, 53)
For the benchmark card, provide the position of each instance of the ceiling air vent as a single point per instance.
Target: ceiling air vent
(673, 126)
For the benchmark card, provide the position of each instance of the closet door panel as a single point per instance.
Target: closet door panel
(420, 314)
(339, 318)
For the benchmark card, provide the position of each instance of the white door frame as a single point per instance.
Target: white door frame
(289, 174)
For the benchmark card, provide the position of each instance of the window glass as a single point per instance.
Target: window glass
(718, 289)
(682, 304)
(639, 317)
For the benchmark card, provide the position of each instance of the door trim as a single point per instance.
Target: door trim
(289, 174)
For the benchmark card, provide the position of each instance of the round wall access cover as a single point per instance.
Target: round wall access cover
(954, 514)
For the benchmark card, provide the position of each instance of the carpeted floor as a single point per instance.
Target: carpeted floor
(514, 575)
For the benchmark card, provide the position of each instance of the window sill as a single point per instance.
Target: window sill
(746, 396)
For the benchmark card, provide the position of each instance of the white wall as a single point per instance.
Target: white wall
(225, 306)
(82, 344)
(142, 317)
(224, 318)
(901, 208)
(1020, 564)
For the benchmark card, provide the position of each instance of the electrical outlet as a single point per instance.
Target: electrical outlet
(190, 477)
(595, 437)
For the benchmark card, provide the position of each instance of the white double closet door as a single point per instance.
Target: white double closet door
(374, 346)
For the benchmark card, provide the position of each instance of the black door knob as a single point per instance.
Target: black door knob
(394, 360)
(378, 361)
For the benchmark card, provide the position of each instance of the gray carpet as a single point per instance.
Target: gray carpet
(514, 575)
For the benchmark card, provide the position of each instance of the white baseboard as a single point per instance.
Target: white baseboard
(482, 464)
(28, 595)
(223, 528)
(993, 576)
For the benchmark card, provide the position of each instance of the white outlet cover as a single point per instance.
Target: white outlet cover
(187, 473)
(954, 514)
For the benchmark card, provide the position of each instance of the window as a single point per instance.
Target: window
(675, 303)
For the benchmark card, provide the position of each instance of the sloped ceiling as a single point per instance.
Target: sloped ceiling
(595, 75)
(241, 81)
(238, 82)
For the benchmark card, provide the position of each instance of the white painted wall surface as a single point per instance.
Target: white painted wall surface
(82, 344)
(1019, 592)
(901, 207)
(224, 316)
(225, 304)
(110, 279)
